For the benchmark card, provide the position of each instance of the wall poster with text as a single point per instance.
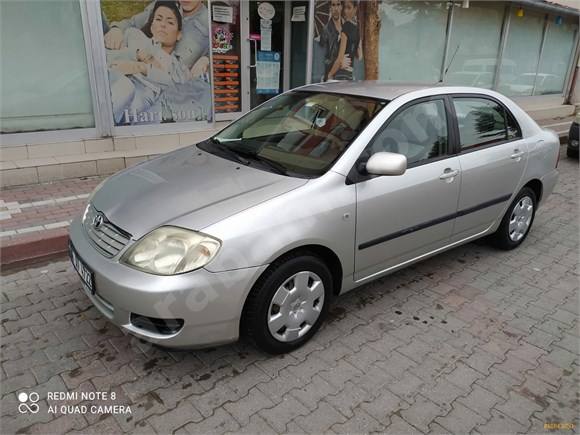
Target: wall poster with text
(225, 46)
(158, 61)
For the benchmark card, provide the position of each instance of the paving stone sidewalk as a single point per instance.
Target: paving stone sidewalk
(475, 340)
(34, 219)
(45, 206)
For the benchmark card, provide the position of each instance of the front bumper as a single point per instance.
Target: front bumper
(573, 137)
(209, 303)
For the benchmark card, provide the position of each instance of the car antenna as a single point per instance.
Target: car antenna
(449, 64)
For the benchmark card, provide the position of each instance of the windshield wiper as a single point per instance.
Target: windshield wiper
(229, 151)
(278, 167)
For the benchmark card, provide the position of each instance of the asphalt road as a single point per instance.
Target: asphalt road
(474, 340)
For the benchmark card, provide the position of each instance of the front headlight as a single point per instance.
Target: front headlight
(171, 251)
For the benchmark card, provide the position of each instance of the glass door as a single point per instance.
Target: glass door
(252, 50)
(266, 39)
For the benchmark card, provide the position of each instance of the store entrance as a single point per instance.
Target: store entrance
(252, 47)
(266, 39)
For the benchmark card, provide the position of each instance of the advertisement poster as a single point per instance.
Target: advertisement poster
(337, 21)
(158, 61)
(226, 58)
(268, 72)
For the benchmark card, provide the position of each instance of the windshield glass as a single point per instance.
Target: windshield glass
(301, 132)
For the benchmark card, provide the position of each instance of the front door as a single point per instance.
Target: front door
(252, 47)
(401, 218)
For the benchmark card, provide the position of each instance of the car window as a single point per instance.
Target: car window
(481, 122)
(304, 132)
(513, 129)
(419, 132)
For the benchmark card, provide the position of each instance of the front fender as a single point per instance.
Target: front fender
(322, 212)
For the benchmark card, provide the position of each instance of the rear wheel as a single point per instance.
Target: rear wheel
(517, 221)
(288, 303)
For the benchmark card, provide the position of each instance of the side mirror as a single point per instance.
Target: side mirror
(387, 164)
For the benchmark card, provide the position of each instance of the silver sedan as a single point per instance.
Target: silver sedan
(319, 190)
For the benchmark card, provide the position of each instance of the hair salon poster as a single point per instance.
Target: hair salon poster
(158, 61)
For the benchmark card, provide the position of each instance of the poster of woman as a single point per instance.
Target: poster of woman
(338, 41)
(158, 61)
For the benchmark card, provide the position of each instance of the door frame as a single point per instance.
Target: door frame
(247, 63)
(245, 51)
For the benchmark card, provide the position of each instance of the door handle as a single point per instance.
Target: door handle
(517, 154)
(255, 53)
(449, 174)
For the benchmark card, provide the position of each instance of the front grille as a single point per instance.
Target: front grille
(106, 237)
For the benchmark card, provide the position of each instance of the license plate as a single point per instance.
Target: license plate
(82, 269)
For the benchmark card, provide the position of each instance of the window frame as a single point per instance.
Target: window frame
(356, 175)
(99, 130)
(506, 111)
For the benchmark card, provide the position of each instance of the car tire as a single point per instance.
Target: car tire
(288, 303)
(517, 221)
(571, 153)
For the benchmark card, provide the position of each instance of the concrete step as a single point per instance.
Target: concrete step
(559, 125)
(30, 164)
(539, 113)
(42, 170)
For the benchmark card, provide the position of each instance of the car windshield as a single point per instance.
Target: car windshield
(298, 133)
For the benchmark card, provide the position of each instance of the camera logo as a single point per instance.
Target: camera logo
(24, 407)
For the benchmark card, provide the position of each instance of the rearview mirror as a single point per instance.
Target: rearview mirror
(385, 163)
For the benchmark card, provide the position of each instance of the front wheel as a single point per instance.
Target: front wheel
(517, 221)
(288, 303)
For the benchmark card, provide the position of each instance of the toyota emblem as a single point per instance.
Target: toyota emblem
(98, 221)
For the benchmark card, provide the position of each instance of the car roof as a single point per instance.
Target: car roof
(368, 88)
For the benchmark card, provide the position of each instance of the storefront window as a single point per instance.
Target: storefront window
(405, 26)
(474, 45)
(226, 48)
(158, 61)
(522, 54)
(556, 57)
(44, 80)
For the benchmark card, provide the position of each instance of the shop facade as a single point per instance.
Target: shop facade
(89, 87)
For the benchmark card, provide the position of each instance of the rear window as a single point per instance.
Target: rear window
(482, 122)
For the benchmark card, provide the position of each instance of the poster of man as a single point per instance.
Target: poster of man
(158, 61)
(338, 41)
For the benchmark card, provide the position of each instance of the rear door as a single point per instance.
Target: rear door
(403, 217)
(492, 157)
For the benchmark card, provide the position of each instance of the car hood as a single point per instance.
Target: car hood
(189, 188)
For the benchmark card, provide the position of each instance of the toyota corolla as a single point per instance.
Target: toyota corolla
(319, 190)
